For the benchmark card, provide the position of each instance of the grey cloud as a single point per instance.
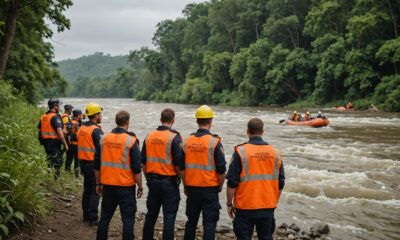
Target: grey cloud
(114, 27)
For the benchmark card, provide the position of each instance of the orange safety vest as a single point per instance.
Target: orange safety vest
(158, 153)
(74, 130)
(259, 179)
(115, 167)
(86, 148)
(46, 130)
(199, 161)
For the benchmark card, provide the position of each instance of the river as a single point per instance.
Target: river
(346, 175)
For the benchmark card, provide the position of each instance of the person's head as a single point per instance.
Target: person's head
(167, 117)
(77, 114)
(122, 119)
(54, 104)
(68, 108)
(255, 127)
(204, 115)
(307, 114)
(93, 111)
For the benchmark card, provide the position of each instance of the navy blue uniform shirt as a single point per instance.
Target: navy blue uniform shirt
(176, 149)
(235, 168)
(134, 153)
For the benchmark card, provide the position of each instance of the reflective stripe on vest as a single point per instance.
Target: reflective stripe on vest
(86, 147)
(123, 165)
(248, 177)
(210, 166)
(166, 160)
(115, 166)
(46, 129)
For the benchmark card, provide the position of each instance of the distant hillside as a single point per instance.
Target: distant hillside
(96, 65)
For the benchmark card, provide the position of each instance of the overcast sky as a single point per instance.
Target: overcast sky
(113, 26)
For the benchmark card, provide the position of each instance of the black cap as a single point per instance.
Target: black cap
(53, 101)
(68, 107)
(76, 112)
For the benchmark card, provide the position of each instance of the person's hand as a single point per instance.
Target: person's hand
(139, 193)
(66, 147)
(231, 211)
(99, 190)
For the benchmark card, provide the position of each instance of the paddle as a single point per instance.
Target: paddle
(281, 121)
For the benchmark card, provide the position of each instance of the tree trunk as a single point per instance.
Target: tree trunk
(9, 33)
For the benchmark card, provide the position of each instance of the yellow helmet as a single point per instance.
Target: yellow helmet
(307, 113)
(92, 109)
(204, 111)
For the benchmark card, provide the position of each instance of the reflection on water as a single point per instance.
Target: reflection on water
(346, 175)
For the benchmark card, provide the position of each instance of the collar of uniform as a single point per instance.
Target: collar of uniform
(203, 131)
(90, 123)
(163, 128)
(257, 140)
(49, 111)
(119, 130)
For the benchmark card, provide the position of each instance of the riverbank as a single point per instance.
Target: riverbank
(64, 222)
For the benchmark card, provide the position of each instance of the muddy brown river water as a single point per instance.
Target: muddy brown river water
(346, 175)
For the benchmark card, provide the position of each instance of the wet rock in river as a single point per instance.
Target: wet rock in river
(319, 228)
(294, 227)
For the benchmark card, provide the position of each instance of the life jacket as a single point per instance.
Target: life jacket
(259, 178)
(86, 147)
(46, 130)
(199, 161)
(115, 167)
(158, 152)
(72, 131)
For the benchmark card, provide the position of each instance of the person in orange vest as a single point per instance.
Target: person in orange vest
(307, 116)
(162, 160)
(72, 154)
(89, 136)
(255, 181)
(204, 176)
(118, 172)
(51, 135)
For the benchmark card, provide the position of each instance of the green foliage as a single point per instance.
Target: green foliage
(30, 65)
(241, 52)
(96, 65)
(24, 177)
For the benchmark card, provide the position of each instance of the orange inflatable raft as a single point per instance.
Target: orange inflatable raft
(344, 109)
(316, 122)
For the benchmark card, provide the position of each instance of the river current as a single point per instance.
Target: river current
(346, 175)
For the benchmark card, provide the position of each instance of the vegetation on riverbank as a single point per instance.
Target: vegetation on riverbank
(263, 52)
(25, 180)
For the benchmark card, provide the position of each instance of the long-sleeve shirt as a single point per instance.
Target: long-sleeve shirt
(134, 153)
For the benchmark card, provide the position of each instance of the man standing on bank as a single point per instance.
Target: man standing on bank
(162, 160)
(89, 135)
(51, 135)
(204, 176)
(118, 171)
(255, 181)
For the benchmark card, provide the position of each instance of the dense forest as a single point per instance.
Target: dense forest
(261, 52)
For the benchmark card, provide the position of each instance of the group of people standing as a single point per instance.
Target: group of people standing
(112, 166)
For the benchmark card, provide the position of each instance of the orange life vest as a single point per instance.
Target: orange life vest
(46, 130)
(199, 161)
(259, 179)
(86, 148)
(73, 132)
(158, 153)
(115, 167)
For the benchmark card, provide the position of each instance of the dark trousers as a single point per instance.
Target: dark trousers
(205, 201)
(90, 200)
(162, 192)
(72, 154)
(54, 156)
(246, 220)
(125, 198)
